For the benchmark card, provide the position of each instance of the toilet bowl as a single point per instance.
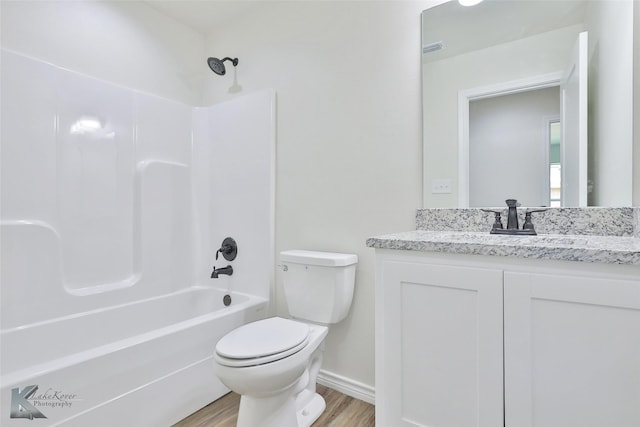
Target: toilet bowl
(273, 363)
(273, 380)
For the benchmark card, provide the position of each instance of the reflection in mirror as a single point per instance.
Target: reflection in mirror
(508, 151)
(555, 168)
(472, 56)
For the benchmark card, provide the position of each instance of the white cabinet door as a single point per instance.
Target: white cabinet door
(438, 345)
(572, 351)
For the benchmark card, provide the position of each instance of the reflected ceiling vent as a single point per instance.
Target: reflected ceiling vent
(432, 47)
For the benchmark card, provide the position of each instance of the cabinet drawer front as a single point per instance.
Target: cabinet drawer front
(441, 346)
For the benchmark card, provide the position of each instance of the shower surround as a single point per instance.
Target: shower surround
(114, 203)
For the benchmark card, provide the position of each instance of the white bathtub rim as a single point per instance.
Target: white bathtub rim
(118, 306)
(32, 372)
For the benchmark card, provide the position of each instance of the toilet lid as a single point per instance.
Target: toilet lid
(266, 337)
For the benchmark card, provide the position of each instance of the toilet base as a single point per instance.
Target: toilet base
(273, 411)
(309, 407)
(283, 410)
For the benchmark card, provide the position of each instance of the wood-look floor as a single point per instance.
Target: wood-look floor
(342, 411)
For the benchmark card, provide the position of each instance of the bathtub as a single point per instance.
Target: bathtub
(144, 363)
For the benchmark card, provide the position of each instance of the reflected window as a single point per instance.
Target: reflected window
(555, 175)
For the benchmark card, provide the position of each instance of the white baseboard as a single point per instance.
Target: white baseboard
(347, 386)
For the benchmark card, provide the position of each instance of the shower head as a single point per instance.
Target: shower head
(217, 65)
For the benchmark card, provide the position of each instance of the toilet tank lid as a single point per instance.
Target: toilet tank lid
(328, 259)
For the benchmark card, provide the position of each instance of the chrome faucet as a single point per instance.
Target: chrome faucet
(228, 270)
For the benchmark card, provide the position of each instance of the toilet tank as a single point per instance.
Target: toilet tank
(318, 286)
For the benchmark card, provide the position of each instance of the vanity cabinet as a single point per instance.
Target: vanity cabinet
(464, 340)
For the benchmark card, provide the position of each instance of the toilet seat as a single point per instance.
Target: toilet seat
(262, 342)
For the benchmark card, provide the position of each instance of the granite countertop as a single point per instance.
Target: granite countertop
(602, 249)
(599, 235)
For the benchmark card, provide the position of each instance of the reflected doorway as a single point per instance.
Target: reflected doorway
(510, 148)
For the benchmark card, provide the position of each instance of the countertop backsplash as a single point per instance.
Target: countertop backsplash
(589, 221)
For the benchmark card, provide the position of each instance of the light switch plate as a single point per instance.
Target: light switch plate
(440, 186)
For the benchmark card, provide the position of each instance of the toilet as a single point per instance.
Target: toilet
(273, 363)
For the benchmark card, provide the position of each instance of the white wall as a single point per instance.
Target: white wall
(124, 42)
(347, 77)
(610, 26)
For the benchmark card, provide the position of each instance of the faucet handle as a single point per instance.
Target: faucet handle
(223, 249)
(495, 211)
(536, 210)
(229, 249)
(497, 225)
(528, 224)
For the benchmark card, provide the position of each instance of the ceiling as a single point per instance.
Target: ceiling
(204, 16)
(489, 23)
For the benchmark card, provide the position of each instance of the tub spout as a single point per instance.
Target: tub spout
(228, 270)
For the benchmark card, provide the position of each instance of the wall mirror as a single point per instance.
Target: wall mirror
(529, 99)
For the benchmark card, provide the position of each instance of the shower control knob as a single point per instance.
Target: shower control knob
(229, 249)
